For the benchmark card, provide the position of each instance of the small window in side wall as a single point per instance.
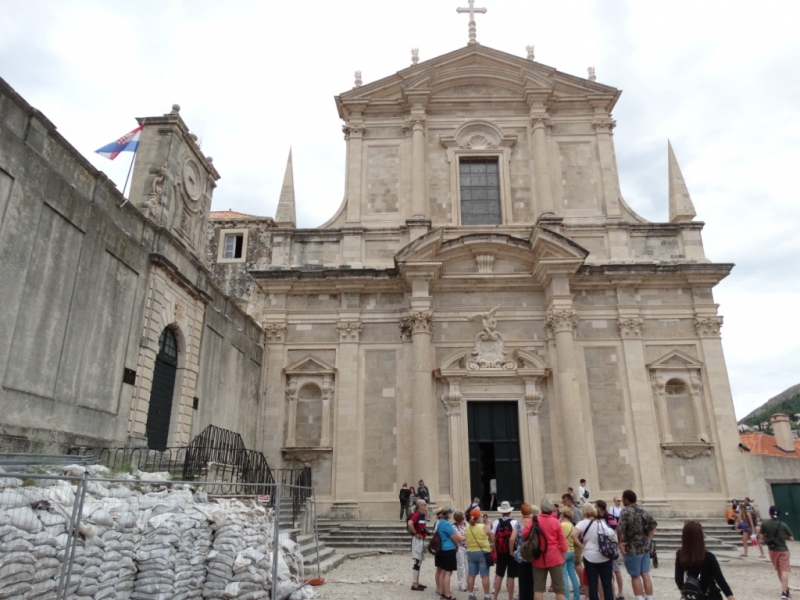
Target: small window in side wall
(479, 189)
(234, 243)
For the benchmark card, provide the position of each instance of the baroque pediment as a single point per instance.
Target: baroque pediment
(473, 72)
(675, 359)
(308, 365)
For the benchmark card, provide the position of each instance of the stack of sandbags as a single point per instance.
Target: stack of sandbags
(155, 558)
(190, 560)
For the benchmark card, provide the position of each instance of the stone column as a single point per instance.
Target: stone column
(273, 412)
(643, 422)
(533, 404)
(541, 164)
(425, 463)
(346, 439)
(562, 322)
(291, 416)
(459, 465)
(608, 165)
(723, 418)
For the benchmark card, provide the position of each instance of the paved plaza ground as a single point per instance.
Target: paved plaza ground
(388, 577)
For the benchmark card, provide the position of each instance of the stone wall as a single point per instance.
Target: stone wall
(761, 471)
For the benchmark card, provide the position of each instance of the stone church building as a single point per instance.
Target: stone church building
(483, 304)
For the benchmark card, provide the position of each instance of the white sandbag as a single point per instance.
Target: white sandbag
(24, 518)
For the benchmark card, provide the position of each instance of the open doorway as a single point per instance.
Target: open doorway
(494, 452)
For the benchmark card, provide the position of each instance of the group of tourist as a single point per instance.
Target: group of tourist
(581, 546)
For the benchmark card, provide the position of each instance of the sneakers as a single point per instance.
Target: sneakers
(786, 595)
(471, 597)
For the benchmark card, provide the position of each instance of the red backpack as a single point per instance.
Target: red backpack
(503, 535)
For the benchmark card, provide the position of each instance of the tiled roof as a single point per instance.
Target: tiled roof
(761, 443)
(226, 215)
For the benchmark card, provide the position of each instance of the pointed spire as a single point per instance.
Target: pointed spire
(285, 215)
(680, 203)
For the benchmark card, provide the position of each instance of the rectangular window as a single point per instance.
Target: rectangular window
(479, 184)
(233, 246)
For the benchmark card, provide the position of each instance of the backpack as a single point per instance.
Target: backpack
(435, 545)
(611, 520)
(533, 548)
(692, 589)
(770, 541)
(503, 535)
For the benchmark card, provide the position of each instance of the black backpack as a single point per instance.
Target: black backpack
(692, 589)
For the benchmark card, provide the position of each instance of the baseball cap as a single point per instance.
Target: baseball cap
(774, 512)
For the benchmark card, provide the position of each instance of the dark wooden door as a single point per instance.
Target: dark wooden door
(160, 410)
(787, 498)
(494, 451)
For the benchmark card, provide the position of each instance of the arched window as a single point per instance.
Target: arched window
(681, 411)
(168, 345)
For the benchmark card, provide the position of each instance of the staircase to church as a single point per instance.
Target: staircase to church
(393, 535)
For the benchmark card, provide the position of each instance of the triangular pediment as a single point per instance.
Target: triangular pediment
(675, 359)
(474, 71)
(309, 364)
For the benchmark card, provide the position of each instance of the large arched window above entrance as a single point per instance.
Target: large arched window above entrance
(162, 391)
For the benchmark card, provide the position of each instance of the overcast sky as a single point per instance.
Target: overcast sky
(720, 79)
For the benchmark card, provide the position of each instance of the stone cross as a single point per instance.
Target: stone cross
(471, 10)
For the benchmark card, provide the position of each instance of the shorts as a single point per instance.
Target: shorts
(780, 560)
(556, 579)
(417, 549)
(506, 562)
(636, 564)
(477, 564)
(615, 565)
(446, 560)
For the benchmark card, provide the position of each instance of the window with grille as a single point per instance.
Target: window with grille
(479, 185)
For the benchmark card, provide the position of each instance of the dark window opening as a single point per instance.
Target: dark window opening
(234, 244)
(479, 184)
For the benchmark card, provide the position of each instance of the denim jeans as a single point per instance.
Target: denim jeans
(571, 575)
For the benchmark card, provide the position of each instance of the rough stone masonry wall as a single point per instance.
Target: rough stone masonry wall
(141, 540)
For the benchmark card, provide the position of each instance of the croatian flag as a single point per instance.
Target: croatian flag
(127, 143)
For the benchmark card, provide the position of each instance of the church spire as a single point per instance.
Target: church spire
(285, 215)
(680, 203)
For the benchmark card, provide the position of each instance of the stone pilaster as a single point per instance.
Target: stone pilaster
(291, 411)
(641, 417)
(272, 413)
(541, 165)
(608, 167)
(459, 477)
(562, 322)
(354, 133)
(346, 444)
(533, 404)
(418, 174)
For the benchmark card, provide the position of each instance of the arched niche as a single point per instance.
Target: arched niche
(309, 395)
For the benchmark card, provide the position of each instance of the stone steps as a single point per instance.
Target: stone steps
(393, 535)
(328, 557)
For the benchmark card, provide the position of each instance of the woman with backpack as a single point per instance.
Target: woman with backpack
(697, 572)
(525, 568)
(445, 559)
(593, 534)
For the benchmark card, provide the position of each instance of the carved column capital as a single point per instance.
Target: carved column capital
(353, 130)
(417, 321)
(274, 331)
(630, 327)
(561, 319)
(540, 119)
(416, 122)
(657, 383)
(707, 326)
(348, 330)
(604, 125)
(291, 388)
(452, 401)
(533, 402)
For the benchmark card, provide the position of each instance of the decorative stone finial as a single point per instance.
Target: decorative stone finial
(471, 10)
(176, 108)
(209, 159)
(592, 76)
(530, 52)
(193, 136)
(414, 56)
(358, 79)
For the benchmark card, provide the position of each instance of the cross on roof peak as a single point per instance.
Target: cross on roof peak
(471, 10)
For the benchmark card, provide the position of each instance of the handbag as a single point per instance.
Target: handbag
(607, 546)
(487, 556)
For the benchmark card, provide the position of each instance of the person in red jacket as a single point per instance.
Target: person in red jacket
(554, 546)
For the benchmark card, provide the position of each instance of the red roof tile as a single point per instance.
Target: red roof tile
(226, 215)
(761, 443)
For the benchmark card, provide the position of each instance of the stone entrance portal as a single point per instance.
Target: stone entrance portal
(494, 451)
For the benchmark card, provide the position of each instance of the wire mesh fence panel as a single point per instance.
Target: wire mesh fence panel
(38, 530)
(151, 538)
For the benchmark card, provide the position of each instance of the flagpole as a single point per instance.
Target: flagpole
(124, 187)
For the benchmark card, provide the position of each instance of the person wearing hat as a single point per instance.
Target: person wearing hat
(775, 533)
(445, 559)
(505, 531)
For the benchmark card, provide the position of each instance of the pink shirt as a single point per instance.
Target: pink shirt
(553, 540)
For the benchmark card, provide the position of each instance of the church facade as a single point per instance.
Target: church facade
(485, 305)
